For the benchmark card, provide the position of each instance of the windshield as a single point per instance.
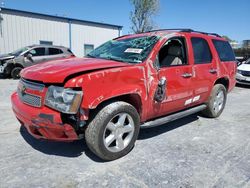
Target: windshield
(132, 50)
(19, 51)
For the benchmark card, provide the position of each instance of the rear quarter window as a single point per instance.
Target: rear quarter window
(224, 50)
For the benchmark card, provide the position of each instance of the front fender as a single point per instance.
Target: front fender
(106, 84)
(114, 94)
(8, 66)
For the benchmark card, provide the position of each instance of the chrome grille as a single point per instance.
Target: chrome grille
(28, 98)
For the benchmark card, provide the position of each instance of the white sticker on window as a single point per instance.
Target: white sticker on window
(133, 50)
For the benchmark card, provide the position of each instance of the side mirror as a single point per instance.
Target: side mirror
(160, 93)
(29, 56)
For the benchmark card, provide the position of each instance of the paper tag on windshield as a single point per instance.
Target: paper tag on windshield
(133, 50)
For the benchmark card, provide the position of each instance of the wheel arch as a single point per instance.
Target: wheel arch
(131, 98)
(10, 66)
(224, 81)
(18, 65)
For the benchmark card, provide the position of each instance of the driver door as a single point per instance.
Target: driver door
(176, 70)
(37, 56)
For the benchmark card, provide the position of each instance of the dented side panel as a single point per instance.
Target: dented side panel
(106, 84)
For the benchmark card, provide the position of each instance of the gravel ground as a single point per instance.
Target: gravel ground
(191, 152)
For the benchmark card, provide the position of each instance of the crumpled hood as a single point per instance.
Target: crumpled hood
(6, 57)
(56, 71)
(244, 67)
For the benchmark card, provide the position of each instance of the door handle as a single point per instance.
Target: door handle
(187, 75)
(213, 71)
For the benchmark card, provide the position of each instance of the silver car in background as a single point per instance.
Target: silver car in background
(243, 73)
(11, 64)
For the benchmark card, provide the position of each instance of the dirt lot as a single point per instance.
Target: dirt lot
(191, 152)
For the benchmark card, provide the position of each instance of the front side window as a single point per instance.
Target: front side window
(202, 53)
(55, 51)
(130, 50)
(173, 53)
(224, 50)
(37, 52)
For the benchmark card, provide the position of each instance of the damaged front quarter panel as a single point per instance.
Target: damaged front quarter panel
(102, 85)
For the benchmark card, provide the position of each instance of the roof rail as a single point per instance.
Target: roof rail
(178, 29)
(205, 33)
(186, 30)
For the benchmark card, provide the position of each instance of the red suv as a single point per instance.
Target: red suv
(131, 82)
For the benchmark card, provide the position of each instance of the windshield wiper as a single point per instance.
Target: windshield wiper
(88, 55)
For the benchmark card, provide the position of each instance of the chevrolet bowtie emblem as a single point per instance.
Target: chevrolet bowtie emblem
(22, 89)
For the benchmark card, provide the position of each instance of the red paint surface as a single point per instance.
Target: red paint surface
(102, 80)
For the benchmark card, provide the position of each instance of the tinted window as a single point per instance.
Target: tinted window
(224, 50)
(37, 52)
(55, 51)
(70, 51)
(202, 53)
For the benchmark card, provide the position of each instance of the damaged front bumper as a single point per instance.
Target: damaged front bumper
(42, 123)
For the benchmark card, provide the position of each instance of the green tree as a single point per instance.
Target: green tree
(227, 38)
(142, 13)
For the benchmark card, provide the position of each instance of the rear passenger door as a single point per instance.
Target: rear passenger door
(204, 69)
(54, 53)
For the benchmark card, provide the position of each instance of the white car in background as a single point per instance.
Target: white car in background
(243, 73)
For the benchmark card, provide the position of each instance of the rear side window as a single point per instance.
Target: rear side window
(55, 51)
(202, 53)
(224, 50)
(70, 51)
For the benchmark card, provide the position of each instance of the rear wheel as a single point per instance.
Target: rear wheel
(217, 101)
(15, 73)
(113, 131)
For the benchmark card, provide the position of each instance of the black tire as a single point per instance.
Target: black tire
(96, 130)
(15, 73)
(4, 74)
(212, 111)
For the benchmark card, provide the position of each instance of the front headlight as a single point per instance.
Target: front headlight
(64, 100)
(239, 71)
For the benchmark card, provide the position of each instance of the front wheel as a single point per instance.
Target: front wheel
(111, 134)
(15, 73)
(217, 101)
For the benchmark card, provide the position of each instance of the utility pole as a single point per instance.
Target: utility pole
(1, 18)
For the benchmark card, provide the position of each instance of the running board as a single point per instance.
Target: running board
(173, 117)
